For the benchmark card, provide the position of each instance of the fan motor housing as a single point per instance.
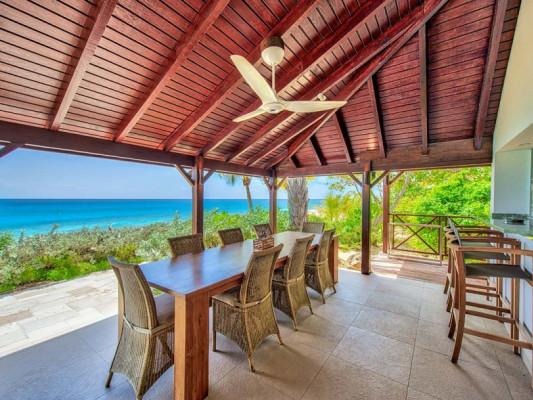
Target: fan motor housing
(273, 50)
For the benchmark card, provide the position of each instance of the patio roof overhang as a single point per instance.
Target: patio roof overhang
(153, 82)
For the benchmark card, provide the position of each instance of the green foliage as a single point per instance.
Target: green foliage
(59, 256)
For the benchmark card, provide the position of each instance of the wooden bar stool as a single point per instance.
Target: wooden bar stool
(463, 307)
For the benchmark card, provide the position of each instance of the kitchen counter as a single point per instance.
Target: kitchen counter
(525, 230)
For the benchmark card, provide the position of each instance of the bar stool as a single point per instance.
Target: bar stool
(463, 307)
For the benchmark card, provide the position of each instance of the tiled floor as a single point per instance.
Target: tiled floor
(378, 338)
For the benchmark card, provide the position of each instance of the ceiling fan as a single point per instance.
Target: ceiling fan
(272, 55)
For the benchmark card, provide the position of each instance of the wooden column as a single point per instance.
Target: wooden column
(386, 205)
(273, 204)
(198, 196)
(333, 259)
(365, 224)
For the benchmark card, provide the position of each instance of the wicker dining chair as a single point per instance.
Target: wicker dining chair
(145, 348)
(313, 227)
(181, 245)
(317, 275)
(262, 230)
(288, 284)
(230, 236)
(246, 314)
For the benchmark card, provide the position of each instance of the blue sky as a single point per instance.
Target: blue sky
(39, 174)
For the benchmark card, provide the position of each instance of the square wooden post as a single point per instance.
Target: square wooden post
(386, 217)
(198, 196)
(273, 202)
(365, 224)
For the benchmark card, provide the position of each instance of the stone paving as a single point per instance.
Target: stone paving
(35, 315)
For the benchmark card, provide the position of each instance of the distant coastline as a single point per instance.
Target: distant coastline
(34, 216)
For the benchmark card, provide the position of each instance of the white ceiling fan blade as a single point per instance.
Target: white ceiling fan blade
(254, 79)
(249, 115)
(312, 106)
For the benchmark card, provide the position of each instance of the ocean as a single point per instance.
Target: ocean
(40, 216)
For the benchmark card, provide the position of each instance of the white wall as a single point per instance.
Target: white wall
(515, 113)
(511, 173)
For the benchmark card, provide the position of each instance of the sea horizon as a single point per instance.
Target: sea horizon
(39, 215)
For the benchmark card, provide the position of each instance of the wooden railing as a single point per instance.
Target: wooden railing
(421, 235)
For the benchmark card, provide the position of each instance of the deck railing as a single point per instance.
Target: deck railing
(421, 235)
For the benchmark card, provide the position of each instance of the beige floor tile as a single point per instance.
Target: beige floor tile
(227, 357)
(393, 303)
(400, 288)
(386, 323)
(431, 336)
(381, 354)
(340, 380)
(337, 310)
(241, 383)
(516, 374)
(433, 373)
(416, 395)
(289, 368)
(355, 294)
(318, 333)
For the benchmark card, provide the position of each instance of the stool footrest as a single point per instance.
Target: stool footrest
(488, 307)
(490, 316)
(498, 338)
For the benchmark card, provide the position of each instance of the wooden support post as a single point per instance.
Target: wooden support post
(198, 196)
(386, 205)
(333, 258)
(273, 202)
(365, 223)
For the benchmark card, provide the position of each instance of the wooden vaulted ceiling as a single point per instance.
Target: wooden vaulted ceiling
(157, 74)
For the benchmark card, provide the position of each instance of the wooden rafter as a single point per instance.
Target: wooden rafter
(379, 178)
(8, 148)
(186, 175)
(310, 60)
(203, 21)
(422, 56)
(95, 31)
(500, 7)
(316, 150)
(392, 180)
(376, 109)
(47, 140)
(455, 153)
(416, 19)
(342, 131)
(232, 82)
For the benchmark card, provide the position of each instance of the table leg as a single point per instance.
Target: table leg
(333, 258)
(191, 347)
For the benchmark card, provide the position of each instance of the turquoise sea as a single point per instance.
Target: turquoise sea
(40, 216)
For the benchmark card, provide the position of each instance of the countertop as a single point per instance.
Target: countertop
(524, 230)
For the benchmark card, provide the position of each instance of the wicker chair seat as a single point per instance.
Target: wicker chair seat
(164, 305)
(497, 271)
(230, 297)
(480, 255)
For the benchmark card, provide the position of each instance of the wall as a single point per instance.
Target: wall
(515, 113)
(511, 174)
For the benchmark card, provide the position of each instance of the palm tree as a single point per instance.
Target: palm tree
(246, 181)
(298, 198)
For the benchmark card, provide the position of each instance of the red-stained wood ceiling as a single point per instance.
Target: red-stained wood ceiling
(157, 74)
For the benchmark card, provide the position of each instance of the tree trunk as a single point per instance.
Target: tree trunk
(246, 182)
(297, 198)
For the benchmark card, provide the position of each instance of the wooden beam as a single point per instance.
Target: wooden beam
(8, 149)
(281, 182)
(205, 18)
(376, 109)
(379, 178)
(500, 7)
(233, 80)
(316, 151)
(405, 29)
(43, 139)
(452, 154)
(372, 49)
(308, 61)
(395, 178)
(198, 196)
(365, 224)
(422, 56)
(104, 10)
(344, 136)
(186, 175)
(385, 215)
(208, 175)
(355, 179)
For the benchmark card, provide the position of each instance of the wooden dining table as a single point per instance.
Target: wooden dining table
(192, 279)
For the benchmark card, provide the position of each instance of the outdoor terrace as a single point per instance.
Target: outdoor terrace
(377, 338)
